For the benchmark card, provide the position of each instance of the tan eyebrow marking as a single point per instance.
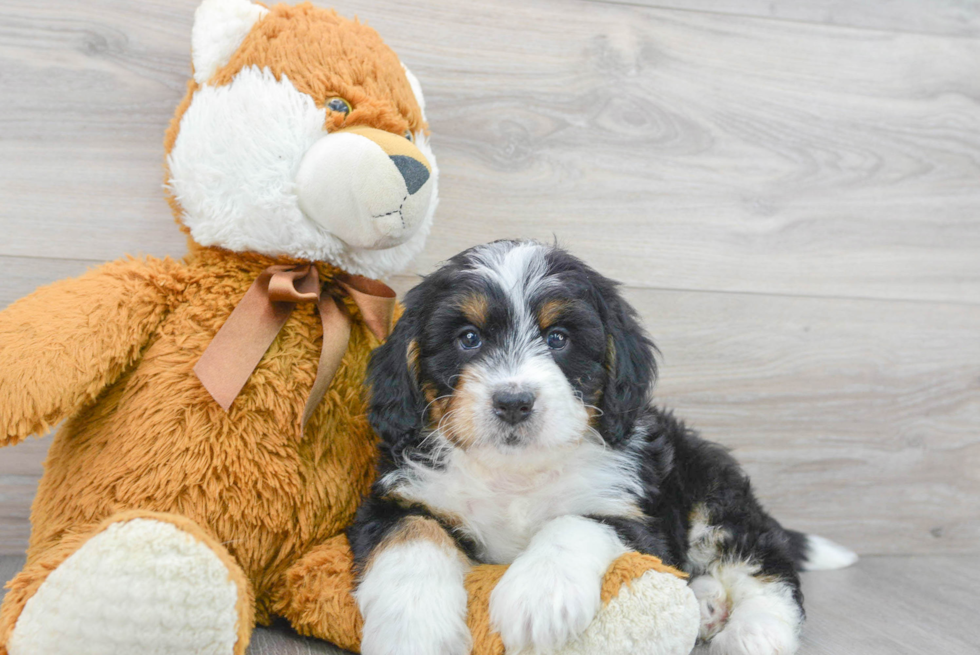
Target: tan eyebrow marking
(549, 312)
(475, 308)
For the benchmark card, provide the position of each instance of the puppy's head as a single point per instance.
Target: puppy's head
(512, 345)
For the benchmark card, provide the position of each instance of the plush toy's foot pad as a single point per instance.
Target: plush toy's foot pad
(139, 586)
(655, 614)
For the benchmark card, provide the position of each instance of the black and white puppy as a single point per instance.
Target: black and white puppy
(513, 406)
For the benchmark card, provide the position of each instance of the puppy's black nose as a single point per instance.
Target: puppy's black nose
(413, 172)
(513, 407)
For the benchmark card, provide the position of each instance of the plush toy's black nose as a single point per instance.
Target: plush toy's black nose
(413, 171)
(513, 407)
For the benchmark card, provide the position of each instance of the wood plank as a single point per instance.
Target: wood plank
(893, 606)
(20, 276)
(881, 606)
(20, 471)
(856, 419)
(948, 17)
(280, 639)
(84, 203)
(673, 149)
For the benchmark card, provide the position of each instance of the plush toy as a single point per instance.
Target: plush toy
(214, 444)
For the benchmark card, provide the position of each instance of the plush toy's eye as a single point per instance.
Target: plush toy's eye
(339, 105)
(410, 136)
(469, 338)
(556, 339)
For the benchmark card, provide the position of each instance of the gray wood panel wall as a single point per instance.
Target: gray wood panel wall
(790, 192)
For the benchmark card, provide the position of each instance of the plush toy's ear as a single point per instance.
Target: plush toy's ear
(397, 404)
(630, 366)
(416, 89)
(220, 26)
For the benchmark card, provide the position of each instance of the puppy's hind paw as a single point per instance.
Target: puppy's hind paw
(713, 601)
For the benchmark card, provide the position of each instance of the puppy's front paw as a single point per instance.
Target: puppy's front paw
(416, 633)
(755, 634)
(413, 602)
(543, 603)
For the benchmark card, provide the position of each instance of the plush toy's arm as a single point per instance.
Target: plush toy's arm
(64, 343)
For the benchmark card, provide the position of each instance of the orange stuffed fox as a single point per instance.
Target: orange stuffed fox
(204, 473)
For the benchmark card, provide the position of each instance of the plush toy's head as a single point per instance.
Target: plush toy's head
(302, 135)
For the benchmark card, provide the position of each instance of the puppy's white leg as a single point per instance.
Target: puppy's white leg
(413, 600)
(765, 618)
(552, 590)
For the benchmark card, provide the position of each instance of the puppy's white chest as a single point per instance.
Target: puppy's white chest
(507, 511)
(502, 503)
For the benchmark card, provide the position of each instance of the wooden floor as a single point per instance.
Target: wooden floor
(923, 605)
(789, 190)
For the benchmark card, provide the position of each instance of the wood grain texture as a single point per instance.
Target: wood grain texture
(882, 606)
(20, 471)
(949, 17)
(737, 153)
(855, 419)
(894, 606)
(20, 276)
(280, 639)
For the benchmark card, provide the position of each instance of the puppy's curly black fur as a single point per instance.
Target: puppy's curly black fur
(518, 319)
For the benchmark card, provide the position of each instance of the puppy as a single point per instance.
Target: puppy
(512, 402)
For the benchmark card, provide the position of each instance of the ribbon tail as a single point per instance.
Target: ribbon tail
(239, 345)
(376, 302)
(336, 334)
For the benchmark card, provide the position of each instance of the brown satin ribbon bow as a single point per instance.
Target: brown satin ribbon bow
(239, 345)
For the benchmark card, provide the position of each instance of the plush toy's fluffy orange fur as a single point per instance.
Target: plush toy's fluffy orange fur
(112, 354)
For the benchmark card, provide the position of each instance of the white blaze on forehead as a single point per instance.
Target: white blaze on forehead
(520, 271)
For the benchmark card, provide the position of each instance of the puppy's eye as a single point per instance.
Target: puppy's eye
(338, 105)
(556, 339)
(410, 136)
(469, 339)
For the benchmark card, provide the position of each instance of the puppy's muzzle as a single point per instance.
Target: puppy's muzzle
(513, 407)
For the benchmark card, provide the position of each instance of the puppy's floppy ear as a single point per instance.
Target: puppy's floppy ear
(630, 365)
(396, 401)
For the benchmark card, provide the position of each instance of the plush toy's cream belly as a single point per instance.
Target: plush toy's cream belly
(156, 440)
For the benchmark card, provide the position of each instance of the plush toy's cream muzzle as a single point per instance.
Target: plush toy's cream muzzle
(369, 188)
